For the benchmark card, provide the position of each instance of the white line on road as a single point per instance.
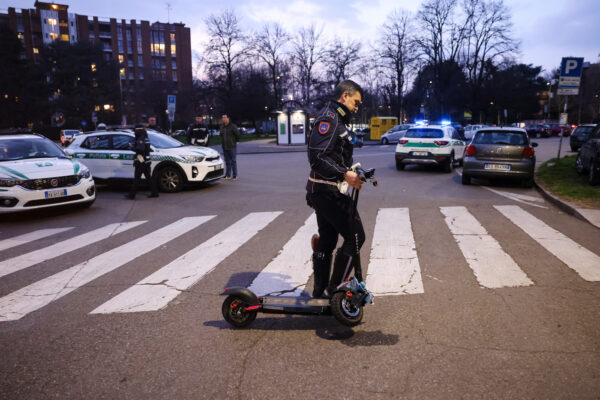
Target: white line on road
(157, 290)
(41, 293)
(289, 272)
(394, 265)
(68, 245)
(493, 268)
(576, 257)
(30, 237)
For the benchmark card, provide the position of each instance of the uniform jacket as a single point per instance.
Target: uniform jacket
(329, 147)
(229, 136)
(196, 131)
(141, 146)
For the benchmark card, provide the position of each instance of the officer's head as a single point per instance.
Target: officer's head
(139, 130)
(152, 121)
(198, 119)
(349, 93)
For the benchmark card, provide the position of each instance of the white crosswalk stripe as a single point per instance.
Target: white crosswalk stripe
(41, 293)
(289, 272)
(35, 257)
(157, 290)
(576, 257)
(493, 268)
(394, 266)
(30, 237)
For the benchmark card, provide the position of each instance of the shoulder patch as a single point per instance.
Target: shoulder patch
(324, 127)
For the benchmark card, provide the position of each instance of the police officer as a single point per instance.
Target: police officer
(330, 157)
(141, 162)
(197, 133)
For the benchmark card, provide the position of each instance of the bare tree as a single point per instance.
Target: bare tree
(342, 60)
(307, 52)
(226, 47)
(397, 53)
(268, 45)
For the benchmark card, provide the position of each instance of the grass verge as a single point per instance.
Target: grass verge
(563, 181)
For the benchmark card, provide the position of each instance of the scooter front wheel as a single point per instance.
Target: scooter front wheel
(234, 311)
(343, 310)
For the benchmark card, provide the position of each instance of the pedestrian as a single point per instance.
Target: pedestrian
(330, 157)
(152, 124)
(142, 163)
(197, 134)
(230, 135)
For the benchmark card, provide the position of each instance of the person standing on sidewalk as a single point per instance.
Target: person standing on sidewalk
(230, 135)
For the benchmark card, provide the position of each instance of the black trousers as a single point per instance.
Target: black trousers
(142, 168)
(333, 211)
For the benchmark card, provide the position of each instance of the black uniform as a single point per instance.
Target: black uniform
(141, 163)
(330, 156)
(197, 134)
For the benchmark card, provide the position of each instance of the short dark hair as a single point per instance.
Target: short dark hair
(346, 86)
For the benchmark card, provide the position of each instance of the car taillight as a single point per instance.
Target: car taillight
(528, 152)
(402, 141)
(471, 151)
(441, 142)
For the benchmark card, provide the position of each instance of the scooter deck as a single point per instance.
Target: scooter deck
(295, 305)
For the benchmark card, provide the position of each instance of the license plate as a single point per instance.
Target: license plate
(56, 193)
(501, 167)
(419, 153)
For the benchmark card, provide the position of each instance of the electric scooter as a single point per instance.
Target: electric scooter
(346, 304)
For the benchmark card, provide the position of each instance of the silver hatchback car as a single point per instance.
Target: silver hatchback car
(500, 153)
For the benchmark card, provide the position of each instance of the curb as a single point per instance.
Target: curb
(562, 204)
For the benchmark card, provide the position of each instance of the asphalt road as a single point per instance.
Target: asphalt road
(502, 301)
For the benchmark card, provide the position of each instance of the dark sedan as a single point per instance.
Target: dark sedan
(580, 135)
(537, 130)
(588, 159)
(500, 153)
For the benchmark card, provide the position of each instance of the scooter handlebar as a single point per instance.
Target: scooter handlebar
(366, 174)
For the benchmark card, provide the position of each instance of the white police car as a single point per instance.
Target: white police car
(430, 144)
(36, 173)
(108, 156)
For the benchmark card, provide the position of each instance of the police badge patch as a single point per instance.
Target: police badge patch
(324, 127)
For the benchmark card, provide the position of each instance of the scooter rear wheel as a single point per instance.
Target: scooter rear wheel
(234, 311)
(343, 311)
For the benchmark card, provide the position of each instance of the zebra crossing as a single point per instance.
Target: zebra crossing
(393, 267)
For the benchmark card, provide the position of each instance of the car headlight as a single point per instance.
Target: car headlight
(193, 158)
(10, 182)
(84, 174)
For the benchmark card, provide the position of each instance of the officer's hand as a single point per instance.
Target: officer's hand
(353, 179)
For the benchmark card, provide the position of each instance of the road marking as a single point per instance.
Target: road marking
(68, 245)
(41, 293)
(157, 290)
(394, 265)
(576, 257)
(30, 237)
(290, 270)
(493, 268)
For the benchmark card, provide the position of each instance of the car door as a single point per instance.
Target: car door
(93, 152)
(120, 151)
(587, 149)
(458, 145)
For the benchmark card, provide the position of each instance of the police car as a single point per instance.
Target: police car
(108, 156)
(36, 173)
(430, 144)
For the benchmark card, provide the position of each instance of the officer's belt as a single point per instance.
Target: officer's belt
(323, 181)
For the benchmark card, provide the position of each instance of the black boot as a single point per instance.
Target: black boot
(341, 268)
(321, 269)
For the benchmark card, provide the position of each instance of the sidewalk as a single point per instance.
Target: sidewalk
(547, 149)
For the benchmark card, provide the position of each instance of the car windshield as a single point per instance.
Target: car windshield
(424, 133)
(20, 149)
(583, 130)
(161, 141)
(500, 137)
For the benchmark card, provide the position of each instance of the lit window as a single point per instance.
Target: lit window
(96, 108)
(121, 58)
(64, 37)
(52, 21)
(93, 67)
(173, 50)
(20, 35)
(122, 72)
(35, 50)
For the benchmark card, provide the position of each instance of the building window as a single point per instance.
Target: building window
(130, 63)
(131, 77)
(119, 32)
(173, 50)
(141, 75)
(64, 37)
(129, 47)
(174, 76)
(35, 50)
(163, 64)
(140, 61)
(139, 45)
(121, 58)
(121, 46)
(128, 33)
(174, 65)
(71, 23)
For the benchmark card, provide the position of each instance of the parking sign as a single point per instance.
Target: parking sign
(570, 76)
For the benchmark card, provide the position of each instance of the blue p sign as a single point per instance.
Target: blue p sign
(571, 67)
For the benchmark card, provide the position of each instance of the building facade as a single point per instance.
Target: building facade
(155, 58)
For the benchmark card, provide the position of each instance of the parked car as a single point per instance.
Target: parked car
(432, 145)
(67, 136)
(37, 173)
(537, 130)
(580, 135)
(588, 159)
(500, 153)
(471, 129)
(558, 129)
(108, 156)
(394, 134)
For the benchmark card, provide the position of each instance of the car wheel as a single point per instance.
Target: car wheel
(466, 179)
(449, 166)
(579, 165)
(527, 183)
(594, 174)
(170, 180)
(400, 166)
(384, 141)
